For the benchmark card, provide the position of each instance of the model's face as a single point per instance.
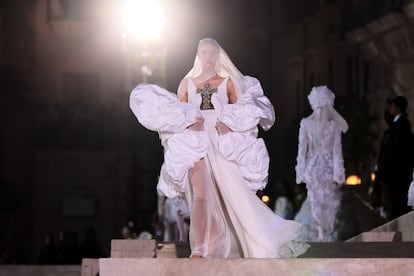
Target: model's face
(125, 232)
(394, 110)
(208, 55)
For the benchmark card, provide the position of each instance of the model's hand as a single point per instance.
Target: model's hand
(198, 125)
(222, 128)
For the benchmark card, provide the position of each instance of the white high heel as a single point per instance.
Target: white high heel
(199, 251)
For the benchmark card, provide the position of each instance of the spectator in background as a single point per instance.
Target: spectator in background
(167, 218)
(90, 247)
(48, 254)
(397, 161)
(283, 205)
(62, 248)
(379, 196)
(182, 215)
(128, 233)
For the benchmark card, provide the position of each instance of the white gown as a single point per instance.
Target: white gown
(239, 224)
(410, 196)
(319, 165)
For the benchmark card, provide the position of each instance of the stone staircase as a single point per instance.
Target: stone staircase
(371, 249)
(403, 224)
(340, 258)
(385, 250)
(237, 267)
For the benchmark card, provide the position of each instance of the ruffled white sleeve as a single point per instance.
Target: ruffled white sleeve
(302, 152)
(159, 110)
(250, 153)
(252, 108)
(338, 161)
(242, 145)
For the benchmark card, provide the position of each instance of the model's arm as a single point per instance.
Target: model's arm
(338, 160)
(302, 153)
(198, 125)
(231, 92)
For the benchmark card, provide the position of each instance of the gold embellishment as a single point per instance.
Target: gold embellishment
(206, 94)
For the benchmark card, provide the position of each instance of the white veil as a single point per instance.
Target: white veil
(248, 89)
(224, 66)
(321, 99)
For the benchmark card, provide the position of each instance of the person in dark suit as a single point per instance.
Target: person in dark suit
(379, 196)
(397, 162)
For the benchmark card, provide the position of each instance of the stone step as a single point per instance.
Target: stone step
(90, 267)
(380, 236)
(173, 250)
(228, 267)
(317, 251)
(320, 250)
(403, 224)
(40, 270)
(121, 248)
(360, 250)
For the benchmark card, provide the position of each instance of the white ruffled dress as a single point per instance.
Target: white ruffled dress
(320, 164)
(239, 224)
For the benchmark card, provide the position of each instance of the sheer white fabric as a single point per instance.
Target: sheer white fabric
(249, 92)
(410, 201)
(284, 207)
(320, 166)
(321, 100)
(319, 161)
(233, 166)
(180, 205)
(224, 67)
(309, 231)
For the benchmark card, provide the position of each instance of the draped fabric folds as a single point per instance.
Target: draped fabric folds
(239, 223)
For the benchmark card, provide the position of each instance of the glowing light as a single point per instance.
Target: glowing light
(143, 19)
(265, 198)
(353, 180)
(372, 177)
(146, 70)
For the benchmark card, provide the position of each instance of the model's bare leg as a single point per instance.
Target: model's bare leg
(199, 180)
(321, 232)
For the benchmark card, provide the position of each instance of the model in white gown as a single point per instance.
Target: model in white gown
(320, 161)
(219, 173)
(410, 196)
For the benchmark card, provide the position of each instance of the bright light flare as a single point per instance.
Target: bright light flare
(265, 198)
(353, 180)
(373, 176)
(143, 19)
